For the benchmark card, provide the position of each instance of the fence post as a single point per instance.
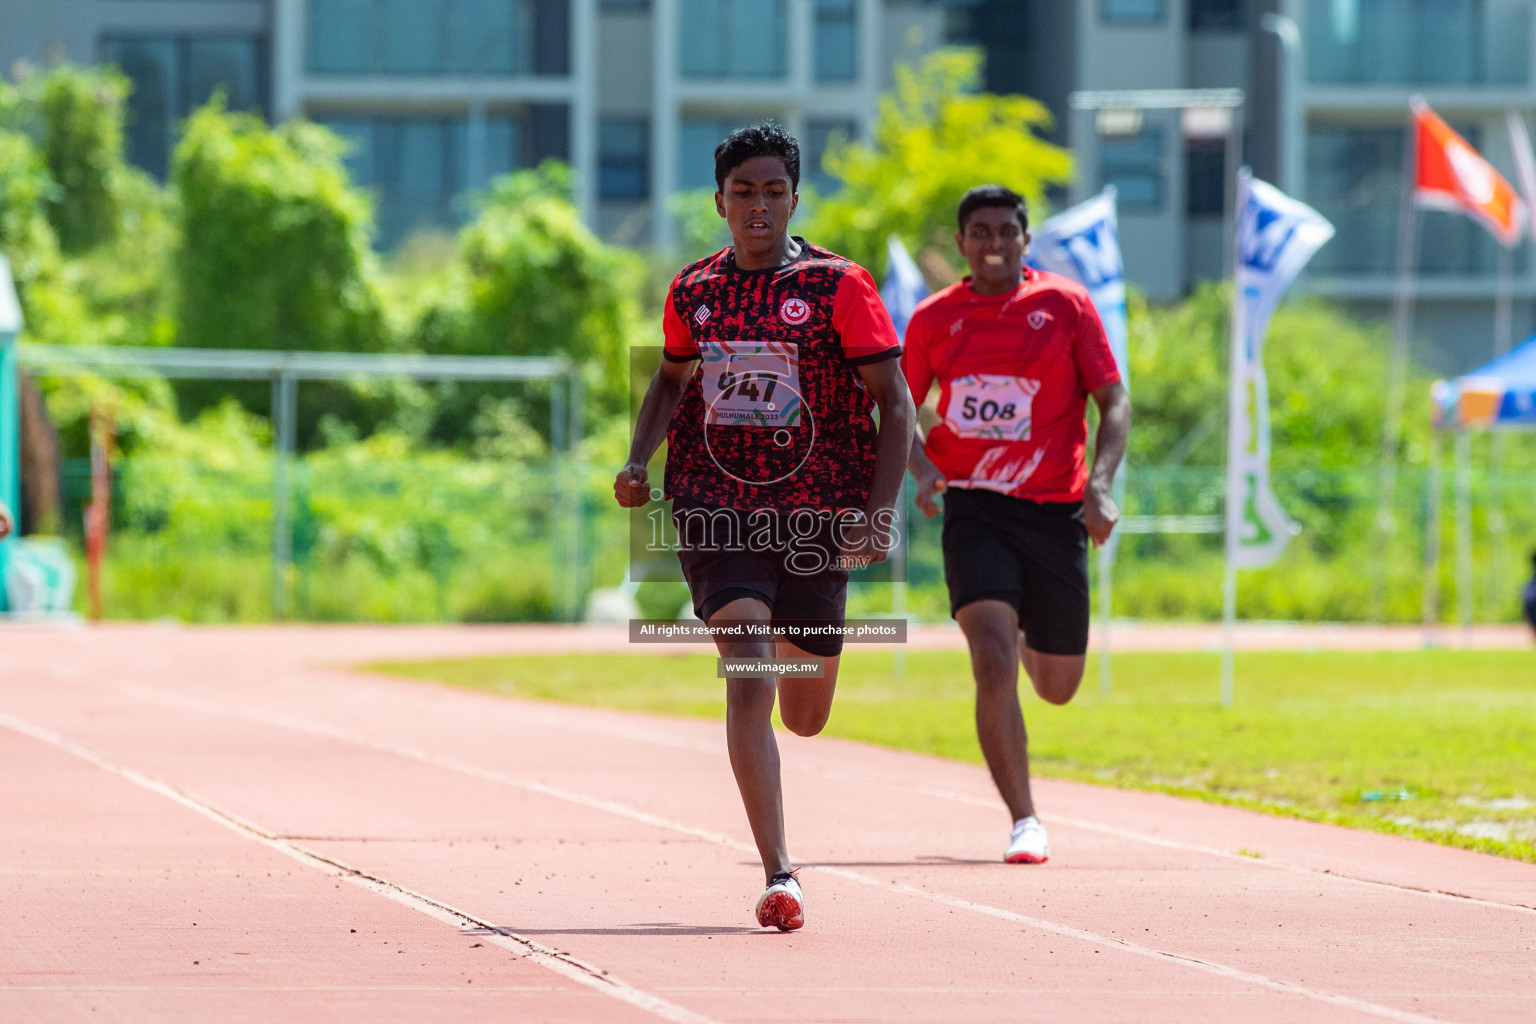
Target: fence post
(284, 406)
(575, 410)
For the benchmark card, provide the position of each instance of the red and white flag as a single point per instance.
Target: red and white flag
(1453, 176)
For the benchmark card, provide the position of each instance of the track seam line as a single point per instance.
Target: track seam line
(943, 899)
(553, 960)
(1173, 844)
(615, 729)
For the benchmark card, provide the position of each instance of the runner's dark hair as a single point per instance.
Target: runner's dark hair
(765, 139)
(993, 195)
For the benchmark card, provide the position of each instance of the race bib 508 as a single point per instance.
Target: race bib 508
(990, 405)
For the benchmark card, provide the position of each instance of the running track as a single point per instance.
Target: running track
(230, 825)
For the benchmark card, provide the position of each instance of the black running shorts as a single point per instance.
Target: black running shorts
(1030, 554)
(726, 554)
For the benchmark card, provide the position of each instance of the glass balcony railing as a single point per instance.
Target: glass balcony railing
(1419, 42)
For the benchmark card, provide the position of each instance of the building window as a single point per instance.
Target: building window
(697, 138)
(962, 22)
(1217, 15)
(837, 42)
(1418, 42)
(419, 166)
(173, 75)
(1134, 165)
(623, 159)
(1131, 12)
(1205, 177)
(1354, 178)
(453, 37)
(821, 136)
(731, 38)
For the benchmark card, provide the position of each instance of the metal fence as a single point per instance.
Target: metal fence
(446, 537)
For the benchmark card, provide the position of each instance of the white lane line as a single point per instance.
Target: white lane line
(620, 730)
(943, 899)
(560, 963)
(1173, 844)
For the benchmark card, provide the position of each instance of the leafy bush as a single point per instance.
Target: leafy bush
(934, 138)
(26, 238)
(529, 279)
(1326, 394)
(82, 111)
(274, 251)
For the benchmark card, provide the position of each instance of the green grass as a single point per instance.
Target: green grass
(1440, 745)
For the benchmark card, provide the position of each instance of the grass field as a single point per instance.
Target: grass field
(1440, 745)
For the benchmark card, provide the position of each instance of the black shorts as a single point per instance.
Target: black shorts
(727, 554)
(1030, 554)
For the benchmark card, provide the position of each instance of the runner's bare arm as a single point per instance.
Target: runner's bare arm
(6, 524)
(1100, 513)
(930, 482)
(898, 420)
(632, 486)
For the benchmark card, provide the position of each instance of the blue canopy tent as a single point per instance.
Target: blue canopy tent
(1499, 395)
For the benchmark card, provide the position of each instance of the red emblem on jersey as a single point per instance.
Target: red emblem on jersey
(795, 311)
(1037, 318)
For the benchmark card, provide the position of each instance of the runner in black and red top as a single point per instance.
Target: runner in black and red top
(780, 478)
(1016, 353)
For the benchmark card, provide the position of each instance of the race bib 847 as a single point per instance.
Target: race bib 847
(751, 384)
(990, 405)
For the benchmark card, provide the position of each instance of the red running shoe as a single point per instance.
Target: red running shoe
(782, 905)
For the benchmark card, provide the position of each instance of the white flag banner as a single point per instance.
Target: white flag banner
(1276, 236)
(1083, 243)
(904, 286)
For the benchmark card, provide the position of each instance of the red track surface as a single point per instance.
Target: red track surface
(226, 825)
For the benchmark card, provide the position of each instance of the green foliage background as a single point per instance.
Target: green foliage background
(447, 501)
(935, 137)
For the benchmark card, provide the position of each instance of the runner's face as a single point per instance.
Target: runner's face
(757, 203)
(994, 245)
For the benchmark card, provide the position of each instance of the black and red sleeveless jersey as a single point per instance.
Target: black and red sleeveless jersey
(776, 416)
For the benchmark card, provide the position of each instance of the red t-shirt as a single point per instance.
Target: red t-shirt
(1014, 373)
(777, 416)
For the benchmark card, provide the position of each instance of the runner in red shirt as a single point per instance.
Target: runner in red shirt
(779, 477)
(1016, 352)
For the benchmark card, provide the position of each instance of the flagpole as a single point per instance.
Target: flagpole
(1106, 605)
(1431, 610)
(1235, 404)
(1402, 313)
(1464, 533)
(1503, 319)
(1236, 429)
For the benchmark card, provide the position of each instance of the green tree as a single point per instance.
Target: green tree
(82, 113)
(1324, 369)
(25, 235)
(531, 279)
(275, 251)
(74, 116)
(934, 138)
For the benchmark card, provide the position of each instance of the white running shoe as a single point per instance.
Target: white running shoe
(1029, 844)
(782, 905)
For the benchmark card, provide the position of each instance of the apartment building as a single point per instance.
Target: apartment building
(439, 96)
(1326, 86)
